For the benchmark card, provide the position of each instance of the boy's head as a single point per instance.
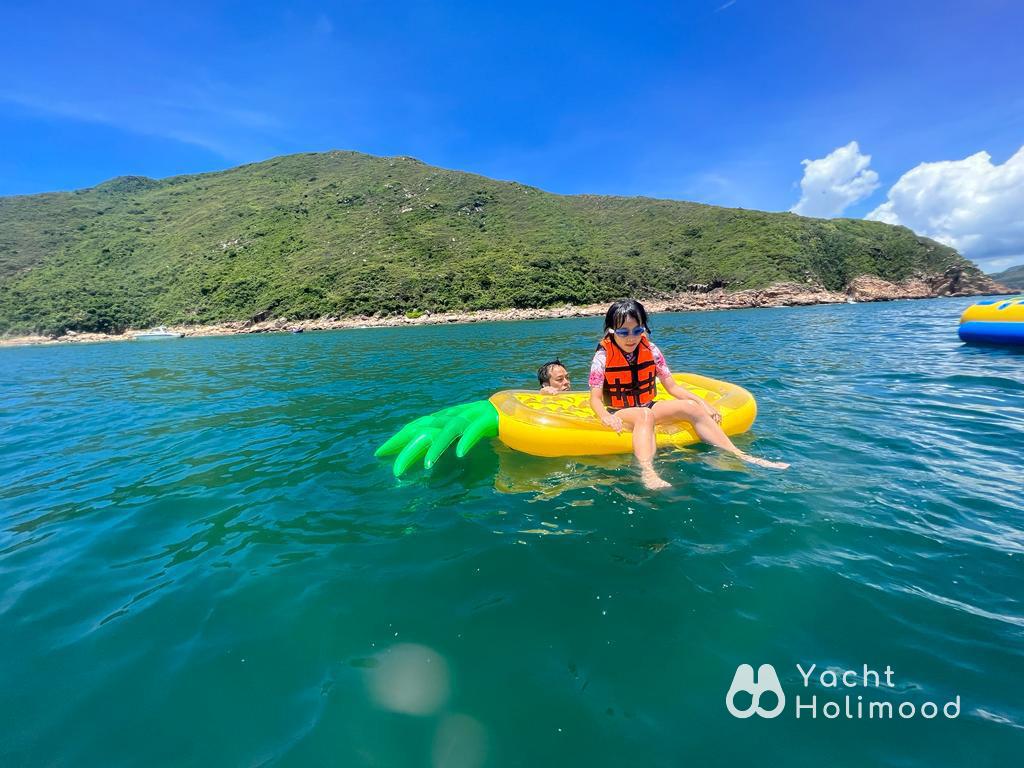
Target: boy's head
(554, 375)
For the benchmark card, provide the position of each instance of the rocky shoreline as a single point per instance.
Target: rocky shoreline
(954, 282)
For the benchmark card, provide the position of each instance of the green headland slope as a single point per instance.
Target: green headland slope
(1012, 278)
(344, 233)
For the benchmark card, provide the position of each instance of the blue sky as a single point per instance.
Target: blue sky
(713, 101)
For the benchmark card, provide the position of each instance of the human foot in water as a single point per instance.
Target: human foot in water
(757, 461)
(652, 481)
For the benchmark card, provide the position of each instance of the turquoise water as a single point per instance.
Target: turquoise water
(202, 564)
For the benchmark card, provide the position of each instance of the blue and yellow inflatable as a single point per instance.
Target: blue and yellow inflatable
(994, 321)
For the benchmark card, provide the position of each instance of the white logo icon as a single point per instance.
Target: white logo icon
(767, 682)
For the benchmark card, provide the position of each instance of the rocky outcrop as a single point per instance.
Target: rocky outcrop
(955, 281)
(871, 288)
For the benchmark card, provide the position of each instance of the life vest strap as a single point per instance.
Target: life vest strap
(628, 384)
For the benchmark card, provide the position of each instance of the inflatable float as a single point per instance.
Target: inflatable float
(554, 425)
(994, 321)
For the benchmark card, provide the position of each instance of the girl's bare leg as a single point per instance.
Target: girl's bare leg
(641, 422)
(707, 429)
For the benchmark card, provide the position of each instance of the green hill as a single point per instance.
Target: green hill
(1012, 278)
(343, 233)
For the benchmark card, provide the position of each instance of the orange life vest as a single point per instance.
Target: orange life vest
(628, 384)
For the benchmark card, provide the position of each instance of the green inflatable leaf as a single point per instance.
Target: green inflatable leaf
(429, 436)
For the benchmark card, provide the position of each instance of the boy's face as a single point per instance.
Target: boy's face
(558, 378)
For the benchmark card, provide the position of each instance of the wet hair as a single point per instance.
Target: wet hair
(623, 309)
(544, 372)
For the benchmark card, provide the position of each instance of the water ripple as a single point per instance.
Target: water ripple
(196, 538)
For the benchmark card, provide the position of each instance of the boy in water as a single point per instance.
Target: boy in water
(553, 378)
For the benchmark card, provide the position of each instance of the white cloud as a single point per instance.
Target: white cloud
(970, 204)
(833, 183)
(203, 115)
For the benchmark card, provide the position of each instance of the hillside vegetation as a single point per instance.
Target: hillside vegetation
(343, 233)
(1012, 278)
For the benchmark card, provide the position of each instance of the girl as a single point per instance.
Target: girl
(622, 391)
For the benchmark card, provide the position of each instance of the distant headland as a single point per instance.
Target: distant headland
(342, 239)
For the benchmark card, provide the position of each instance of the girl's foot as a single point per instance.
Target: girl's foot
(652, 481)
(757, 461)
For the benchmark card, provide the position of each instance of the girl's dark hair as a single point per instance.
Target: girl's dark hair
(622, 310)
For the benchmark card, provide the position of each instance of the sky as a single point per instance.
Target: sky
(905, 112)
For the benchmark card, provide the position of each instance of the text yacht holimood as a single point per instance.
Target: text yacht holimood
(875, 703)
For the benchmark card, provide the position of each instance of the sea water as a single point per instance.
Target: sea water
(202, 563)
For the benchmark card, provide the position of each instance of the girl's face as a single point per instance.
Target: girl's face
(631, 340)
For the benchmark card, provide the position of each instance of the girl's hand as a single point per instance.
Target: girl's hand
(613, 422)
(713, 412)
